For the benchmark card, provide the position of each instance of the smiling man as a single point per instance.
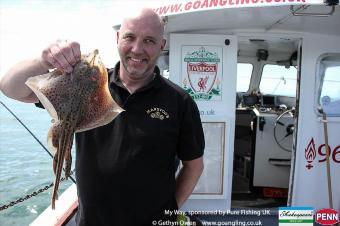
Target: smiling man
(125, 170)
(140, 41)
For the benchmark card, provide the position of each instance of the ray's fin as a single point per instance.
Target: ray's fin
(35, 83)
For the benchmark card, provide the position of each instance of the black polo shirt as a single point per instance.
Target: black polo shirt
(125, 170)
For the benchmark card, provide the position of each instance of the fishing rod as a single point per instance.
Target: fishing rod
(41, 144)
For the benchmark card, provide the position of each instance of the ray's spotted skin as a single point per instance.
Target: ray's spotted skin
(76, 101)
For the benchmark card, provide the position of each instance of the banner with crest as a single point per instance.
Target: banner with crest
(202, 72)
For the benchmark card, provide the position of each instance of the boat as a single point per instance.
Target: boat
(265, 76)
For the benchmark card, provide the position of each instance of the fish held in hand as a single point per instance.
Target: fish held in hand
(76, 101)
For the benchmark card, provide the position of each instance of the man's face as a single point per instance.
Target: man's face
(140, 42)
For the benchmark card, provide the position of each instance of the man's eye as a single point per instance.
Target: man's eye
(129, 38)
(150, 41)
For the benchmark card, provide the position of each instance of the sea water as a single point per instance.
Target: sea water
(25, 167)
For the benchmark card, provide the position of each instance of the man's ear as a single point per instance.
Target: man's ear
(163, 44)
(117, 36)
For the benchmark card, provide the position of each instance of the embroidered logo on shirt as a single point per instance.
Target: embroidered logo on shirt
(157, 113)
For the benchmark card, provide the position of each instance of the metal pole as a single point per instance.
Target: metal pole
(328, 165)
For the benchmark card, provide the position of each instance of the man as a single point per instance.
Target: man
(126, 170)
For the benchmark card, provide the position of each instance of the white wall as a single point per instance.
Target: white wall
(310, 186)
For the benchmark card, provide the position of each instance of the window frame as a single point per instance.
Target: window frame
(320, 74)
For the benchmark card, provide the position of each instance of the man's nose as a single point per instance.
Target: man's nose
(137, 47)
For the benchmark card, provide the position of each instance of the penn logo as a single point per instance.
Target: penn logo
(327, 217)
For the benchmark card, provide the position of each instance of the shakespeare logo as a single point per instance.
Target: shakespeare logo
(296, 216)
(202, 80)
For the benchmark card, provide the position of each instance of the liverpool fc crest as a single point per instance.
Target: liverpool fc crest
(201, 80)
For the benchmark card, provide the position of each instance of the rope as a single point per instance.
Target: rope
(26, 197)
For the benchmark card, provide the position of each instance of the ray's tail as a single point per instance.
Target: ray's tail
(63, 152)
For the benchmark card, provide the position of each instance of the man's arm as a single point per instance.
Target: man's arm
(187, 179)
(61, 55)
(12, 84)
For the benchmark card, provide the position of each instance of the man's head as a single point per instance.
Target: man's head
(140, 41)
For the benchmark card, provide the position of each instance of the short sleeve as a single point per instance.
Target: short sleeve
(191, 140)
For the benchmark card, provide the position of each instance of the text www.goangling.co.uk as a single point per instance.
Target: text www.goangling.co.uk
(232, 223)
(210, 4)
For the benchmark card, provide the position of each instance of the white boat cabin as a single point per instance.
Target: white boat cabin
(261, 73)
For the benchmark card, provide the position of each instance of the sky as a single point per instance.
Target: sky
(28, 26)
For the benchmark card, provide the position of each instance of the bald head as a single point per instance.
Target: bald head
(145, 17)
(140, 42)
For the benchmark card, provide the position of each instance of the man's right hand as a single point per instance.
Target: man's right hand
(62, 55)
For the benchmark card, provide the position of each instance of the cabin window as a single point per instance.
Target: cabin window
(278, 80)
(329, 88)
(244, 71)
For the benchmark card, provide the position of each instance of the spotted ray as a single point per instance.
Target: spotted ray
(76, 101)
